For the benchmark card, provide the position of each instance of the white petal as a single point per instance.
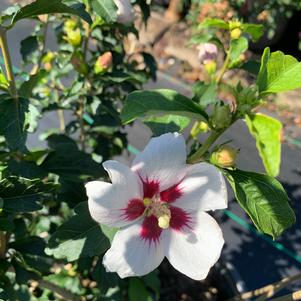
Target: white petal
(162, 160)
(203, 188)
(193, 253)
(106, 200)
(130, 255)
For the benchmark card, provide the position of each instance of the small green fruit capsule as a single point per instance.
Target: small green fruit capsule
(221, 117)
(235, 33)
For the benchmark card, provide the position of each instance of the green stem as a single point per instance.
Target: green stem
(224, 68)
(197, 156)
(2, 244)
(8, 63)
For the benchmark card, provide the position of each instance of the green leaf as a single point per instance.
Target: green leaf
(41, 7)
(106, 9)
(237, 47)
(28, 46)
(67, 161)
(205, 94)
(264, 200)
(278, 73)
(267, 132)
(12, 121)
(137, 291)
(27, 86)
(254, 30)
(165, 124)
(24, 195)
(150, 102)
(79, 237)
(215, 23)
(4, 84)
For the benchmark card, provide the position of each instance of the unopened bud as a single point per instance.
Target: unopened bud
(221, 117)
(207, 52)
(69, 25)
(125, 14)
(225, 156)
(199, 127)
(73, 37)
(235, 33)
(103, 63)
(163, 221)
(210, 67)
(79, 65)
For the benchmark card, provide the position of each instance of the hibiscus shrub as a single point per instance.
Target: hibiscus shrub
(66, 235)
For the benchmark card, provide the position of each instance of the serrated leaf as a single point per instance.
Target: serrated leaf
(13, 121)
(24, 195)
(67, 161)
(238, 47)
(267, 133)
(41, 7)
(264, 200)
(79, 237)
(205, 94)
(28, 46)
(106, 9)
(215, 23)
(278, 73)
(254, 30)
(168, 123)
(149, 102)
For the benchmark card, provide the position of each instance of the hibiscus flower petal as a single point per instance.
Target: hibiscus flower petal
(194, 252)
(111, 204)
(203, 188)
(162, 161)
(131, 255)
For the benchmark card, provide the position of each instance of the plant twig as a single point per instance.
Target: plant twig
(290, 297)
(197, 156)
(60, 292)
(37, 67)
(224, 68)
(82, 135)
(268, 290)
(8, 63)
(2, 244)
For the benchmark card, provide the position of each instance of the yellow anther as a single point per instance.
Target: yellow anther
(147, 201)
(163, 221)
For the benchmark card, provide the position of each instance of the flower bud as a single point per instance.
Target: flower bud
(210, 67)
(103, 63)
(199, 127)
(207, 52)
(69, 25)
(47, 60)
(78, 63)
(125, 14)
(221, 117)
(73, 37)
(225, 156)
(235, 33)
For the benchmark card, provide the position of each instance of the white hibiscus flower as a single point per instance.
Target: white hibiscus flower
(159, 205)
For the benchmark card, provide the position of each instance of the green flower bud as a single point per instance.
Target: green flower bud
(224, 157)
(78, 63)
(199, 127)
(210, 67)
(73, 37)
(235, 33)
(221, 117)
(69, 25)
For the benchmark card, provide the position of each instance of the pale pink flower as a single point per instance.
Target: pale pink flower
(125, 13)
(207, 52)
(159, 205)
